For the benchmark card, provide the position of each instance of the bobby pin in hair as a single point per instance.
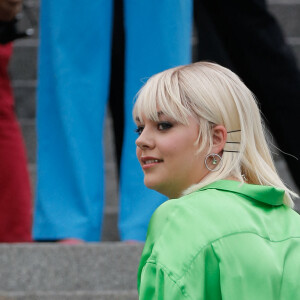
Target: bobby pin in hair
(234, 131)
(232, 151)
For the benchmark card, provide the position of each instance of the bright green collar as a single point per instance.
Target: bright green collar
(266, 194)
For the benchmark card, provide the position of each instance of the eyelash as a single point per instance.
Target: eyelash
(164, 125)
(161, 126)
(139, 130)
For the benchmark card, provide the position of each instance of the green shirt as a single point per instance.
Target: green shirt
(225, 241)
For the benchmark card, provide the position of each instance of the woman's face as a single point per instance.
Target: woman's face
(166, 151)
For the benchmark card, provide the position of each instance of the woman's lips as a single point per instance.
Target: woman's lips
(148, 162)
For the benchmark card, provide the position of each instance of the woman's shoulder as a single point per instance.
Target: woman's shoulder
(186, 219)
(177, 232)
(179, 212)
(198, 207)
(182, 228)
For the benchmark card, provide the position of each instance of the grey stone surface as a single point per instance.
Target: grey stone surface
(25, 98)
(29, 17)
(32, 172)
(110, 231)
(112, 183)
(79, 295)
(295, 43)
(63, 268)
(23, 64)
(288, 17)
(29, 134)
(283, 2)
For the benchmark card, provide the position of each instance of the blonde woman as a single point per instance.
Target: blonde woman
(228, 230)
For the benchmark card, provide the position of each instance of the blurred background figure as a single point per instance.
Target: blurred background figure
(245, 37)
(15, 200)
(73, 88)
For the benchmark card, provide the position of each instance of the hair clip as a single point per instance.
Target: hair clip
(234, 131)
(232, 151)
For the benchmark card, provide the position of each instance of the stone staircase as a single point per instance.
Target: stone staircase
(52, 272)
(94, 271)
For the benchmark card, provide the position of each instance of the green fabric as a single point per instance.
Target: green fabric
(225, 241)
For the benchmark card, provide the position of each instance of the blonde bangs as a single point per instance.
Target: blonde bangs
(161, 94)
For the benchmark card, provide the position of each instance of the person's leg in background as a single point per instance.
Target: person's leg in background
(158, 36)
(209, 47)
(256, 49)
(15, 200)
(74, 62)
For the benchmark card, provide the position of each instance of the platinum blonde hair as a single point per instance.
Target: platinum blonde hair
(215, 96)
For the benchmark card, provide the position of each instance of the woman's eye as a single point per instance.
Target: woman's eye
(164, 126)
(139, 130)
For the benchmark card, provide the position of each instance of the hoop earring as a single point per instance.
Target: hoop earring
(216, 160)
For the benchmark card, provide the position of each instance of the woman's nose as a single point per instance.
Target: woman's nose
(145, 140)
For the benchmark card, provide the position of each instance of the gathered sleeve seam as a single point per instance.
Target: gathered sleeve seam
(169, 275)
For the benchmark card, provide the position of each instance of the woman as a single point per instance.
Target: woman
(229, 231)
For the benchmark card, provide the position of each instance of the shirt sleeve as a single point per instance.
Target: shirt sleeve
(156, 284)
(166, 270)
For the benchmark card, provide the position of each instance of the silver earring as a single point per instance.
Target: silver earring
(216, 160)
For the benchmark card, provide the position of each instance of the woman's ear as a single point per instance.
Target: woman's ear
(219, 138)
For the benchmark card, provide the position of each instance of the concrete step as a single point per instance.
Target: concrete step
(107, 295)
(53, 271)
